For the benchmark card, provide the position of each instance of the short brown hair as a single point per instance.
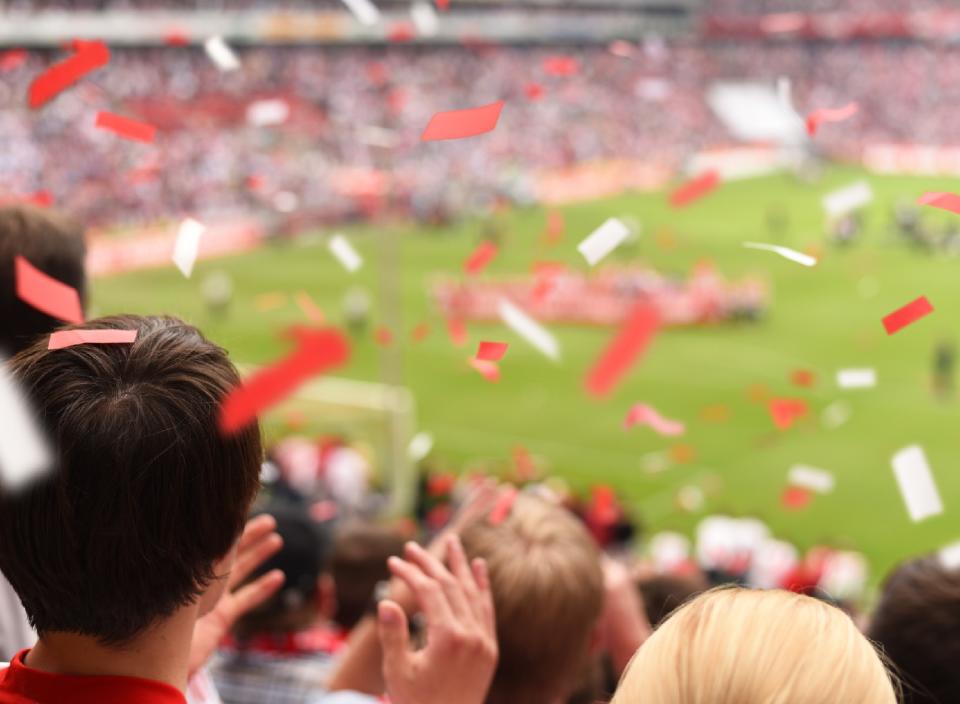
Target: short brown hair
(55, 246)
(547, 583)
(146, 496)
(917, 625)
(360, 553)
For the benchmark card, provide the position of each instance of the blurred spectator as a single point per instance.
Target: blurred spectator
(665, 593)
(738, 646)
(282, 651)
(917, 625)
(359, 563)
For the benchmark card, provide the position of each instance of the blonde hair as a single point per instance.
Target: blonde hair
(547, 584)
(740, 646)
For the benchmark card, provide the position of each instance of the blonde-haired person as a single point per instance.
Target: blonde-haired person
(741, 646)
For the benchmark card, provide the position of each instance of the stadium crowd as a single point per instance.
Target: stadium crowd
(151, 554)
(366, 107)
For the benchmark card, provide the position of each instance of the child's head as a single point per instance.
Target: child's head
(141, 514)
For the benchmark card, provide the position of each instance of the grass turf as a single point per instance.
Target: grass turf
(820, 319)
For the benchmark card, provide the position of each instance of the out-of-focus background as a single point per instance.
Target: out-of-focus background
(609, 105)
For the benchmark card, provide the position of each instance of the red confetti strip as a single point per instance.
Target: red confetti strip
(561, 66)
(533, 91)
(309, 308)
(89, 56)
(12, 59)
(459, 124)
(457, 330)
(492, 351)
(817, 117)
(786, 411)
(489, 370)
(383, 336)
(803, 377)
(126, 127)
(501, 509)
(443, 4)
(695, 189)
(796, 497)
(910, 313)
(68, 338)
(317, 351)
(944, 201)
(420, 332)
(480, 257)
(46, 294)
(401, 32)
(176, 37)
(624, 350)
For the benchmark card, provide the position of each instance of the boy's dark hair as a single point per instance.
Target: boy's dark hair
(917, 626)
(146, 496)
(360, 554)
(52, 244)
(663, 594)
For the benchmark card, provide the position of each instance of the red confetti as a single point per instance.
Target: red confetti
(524, 468)
(624, 350)
(803, 377)
(481, 256)
(492, 351)
(533, 91)
(501, 509)
(126, 127)
(459, 124)
(795, 497)
(383, 336)
(68, 338)
(309, 308)
(46, 294)
(944, 201)
(401, 32)
(176, 37)
(695, 189)
(89, 56)
(785, 411)
(489, 370)
(561, 66)
(457, 330)
(443, 4)
(41, 199)
(420, 333)
(910, 313)
(815, 118)
(12, 59)
(317, 351)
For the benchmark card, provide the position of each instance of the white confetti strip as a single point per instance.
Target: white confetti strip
(847, 199)
(24, 452)
(529, 329)
(424, 17)
(603, 240)
(950, 556)
(812, 478)
(263, 113)
(221, 54)
(785, 93)
(364, 10)
(857, 378)
(345, 253)
(785, 252)
(420, 446)
(187, 246)
(919, 491)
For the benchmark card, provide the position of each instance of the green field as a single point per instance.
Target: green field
(821, 319)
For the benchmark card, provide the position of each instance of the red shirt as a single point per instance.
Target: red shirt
(20, 684)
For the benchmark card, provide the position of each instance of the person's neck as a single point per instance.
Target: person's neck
(160, 653)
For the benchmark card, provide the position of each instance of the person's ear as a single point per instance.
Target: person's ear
(326, 596)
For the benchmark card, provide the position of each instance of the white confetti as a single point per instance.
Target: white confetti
(785, 252)
(919, 491)
(24, 452)
(424, 17)
(529, 329)
(812, 478)
(847, 199)
(950, 556)
(857, 378)
(420, 446)
(345, 253)
(221, 54)
(364, 11)
(187, 246)
(785, 93)
(263, 113)
(603, 240)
